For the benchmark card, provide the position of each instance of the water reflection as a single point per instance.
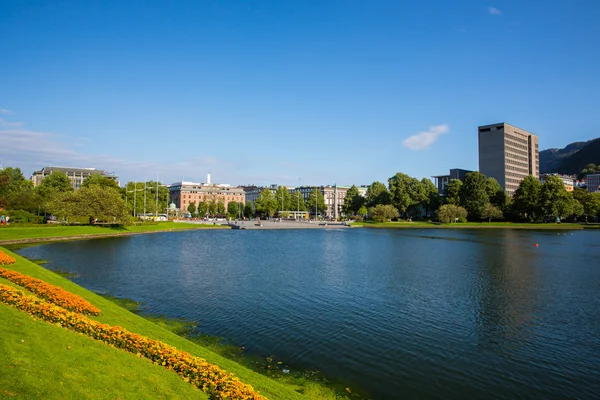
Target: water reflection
(506, 292)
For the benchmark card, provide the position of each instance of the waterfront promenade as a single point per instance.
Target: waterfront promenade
(272, 224)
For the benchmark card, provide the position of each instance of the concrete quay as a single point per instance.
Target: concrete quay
(273, 224)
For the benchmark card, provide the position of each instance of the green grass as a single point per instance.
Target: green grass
(16, 232)
(511, 225)
(34, 368)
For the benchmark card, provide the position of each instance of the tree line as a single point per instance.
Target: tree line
(476, 198)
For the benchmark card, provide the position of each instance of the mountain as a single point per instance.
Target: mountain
(588, 154)
(552, 159)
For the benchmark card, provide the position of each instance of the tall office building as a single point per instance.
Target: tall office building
(508, 154)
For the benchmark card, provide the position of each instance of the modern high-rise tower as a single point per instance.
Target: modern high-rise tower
(508, 154)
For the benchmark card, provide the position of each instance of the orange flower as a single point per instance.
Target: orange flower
(54, 294)
(205, 376)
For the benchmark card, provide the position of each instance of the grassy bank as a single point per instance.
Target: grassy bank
(41, 360)
(18, 233)
(470, 225)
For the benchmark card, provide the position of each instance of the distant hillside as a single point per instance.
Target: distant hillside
(551, 160)
(588, 154)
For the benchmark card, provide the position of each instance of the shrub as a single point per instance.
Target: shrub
(20, 216)
(197, 371)
(54, 294)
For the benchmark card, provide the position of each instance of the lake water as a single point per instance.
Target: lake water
(413, 314)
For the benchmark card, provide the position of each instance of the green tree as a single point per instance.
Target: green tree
(316, 197)
(474, 196)
(233, 209)
(363, 211)
(266, 204)
(432, 200)
(105, 204)
(100, 180)
(377, 193)
(248, 210)
(192, 208)
(555, 201)
(202, 209)
(133, 194)
(526, 199)
(283, 198)
(212, 208)
(56, 182)
(448, 213)
(352, 202)
(406, 192)
(592, 205)
(297, 201)
(492, 212)
(495, 193)
(220, 207)
(452, 192)
(12, 182)
(27, 200)
(383, 213)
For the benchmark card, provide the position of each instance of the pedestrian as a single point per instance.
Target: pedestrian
(2, 221)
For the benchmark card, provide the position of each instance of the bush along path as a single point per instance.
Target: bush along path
(209, 378)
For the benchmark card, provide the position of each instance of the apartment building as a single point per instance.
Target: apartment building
(593, 183)
(76, 175)
(508, 154)
(182, 194)
(441, 181)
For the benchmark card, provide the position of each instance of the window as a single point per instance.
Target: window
(485, 129)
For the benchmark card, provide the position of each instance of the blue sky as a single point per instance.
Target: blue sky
(288, 92)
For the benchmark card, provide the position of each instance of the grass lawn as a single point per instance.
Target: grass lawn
(512, 225)
(16, 232)
(36, 362)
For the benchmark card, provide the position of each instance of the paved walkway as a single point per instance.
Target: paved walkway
(274, 224)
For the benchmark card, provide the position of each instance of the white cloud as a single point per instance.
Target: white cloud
(422, 140)
(32, 150)
(494, 11)
(7, 124)
(4, 111)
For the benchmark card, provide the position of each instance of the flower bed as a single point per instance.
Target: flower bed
(54, 294)
(211, 379)
(5, 259)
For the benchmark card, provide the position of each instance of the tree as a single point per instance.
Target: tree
(495, 193)
(12, 182)
(220, 207)
(555, 201)
(202, 209)
(266, 203)
(297, 201)
(526, 199)
(432, 199)
(474, 196)
(100, 180)
(56, 182)
(105, 204)
(352, 202)
(363, 211)
(192, 208)
(592, 205)
(448, 213)
(316, 197)
(212, 208)
(248, 210)
(406, 192)
(26, 200)
(283, 198)
(383, 213)
(492, 212)
(452, 192)
(233, 209)
(133, 194)
(377, 193)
